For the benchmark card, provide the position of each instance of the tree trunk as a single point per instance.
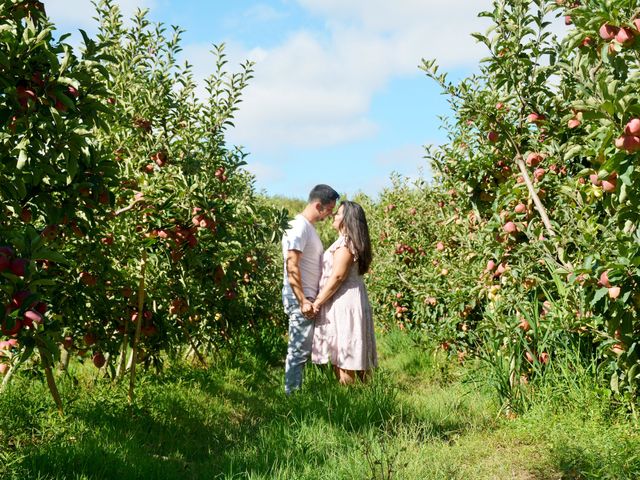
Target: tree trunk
(136, 338)
(51, 382)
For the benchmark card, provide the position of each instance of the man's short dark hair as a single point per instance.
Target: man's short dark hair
(324, 194)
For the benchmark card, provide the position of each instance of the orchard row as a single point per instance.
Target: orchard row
(527, 245)
(127, 221)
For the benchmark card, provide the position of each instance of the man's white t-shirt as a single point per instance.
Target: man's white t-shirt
(302, 236)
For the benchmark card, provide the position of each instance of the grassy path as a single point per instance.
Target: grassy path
(419, 419)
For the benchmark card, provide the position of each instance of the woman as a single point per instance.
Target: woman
(344, 331)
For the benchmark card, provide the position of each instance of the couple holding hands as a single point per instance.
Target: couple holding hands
(324, 295)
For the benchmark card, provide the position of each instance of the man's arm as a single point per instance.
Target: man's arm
(295, 280)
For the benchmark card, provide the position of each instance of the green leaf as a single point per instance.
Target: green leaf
(45, 254)
(22, 159)
(615, 386)
(600, 293)
(65, 60)
(572, 152)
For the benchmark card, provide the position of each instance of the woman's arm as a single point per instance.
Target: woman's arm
(342, 261)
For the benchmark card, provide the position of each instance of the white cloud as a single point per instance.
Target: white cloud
(263, 13)
(265, 172)
(406, 160)
(406, 157)
(316, 89)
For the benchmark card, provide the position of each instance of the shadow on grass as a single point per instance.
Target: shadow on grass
(230, 421)
(179, 426)
(576, 462)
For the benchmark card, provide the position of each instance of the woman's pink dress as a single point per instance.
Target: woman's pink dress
(344, 332)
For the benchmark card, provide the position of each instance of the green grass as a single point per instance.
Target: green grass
(419, 418)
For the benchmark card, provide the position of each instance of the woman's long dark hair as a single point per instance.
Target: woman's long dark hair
(355, 229)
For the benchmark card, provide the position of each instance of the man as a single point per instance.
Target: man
(302, 251)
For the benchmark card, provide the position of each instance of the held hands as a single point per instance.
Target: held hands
(307, 309)
(310, 310)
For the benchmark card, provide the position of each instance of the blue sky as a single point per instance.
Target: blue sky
(337, 97)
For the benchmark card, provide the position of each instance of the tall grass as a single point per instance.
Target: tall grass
(421, 416)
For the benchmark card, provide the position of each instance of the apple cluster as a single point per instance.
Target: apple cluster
(22, 310)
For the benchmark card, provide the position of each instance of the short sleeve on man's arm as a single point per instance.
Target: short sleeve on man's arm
(294, 238)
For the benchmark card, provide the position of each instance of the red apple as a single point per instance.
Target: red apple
(61, 107)
(19, 267)
(67, 342)
(502, 267)
(535, 118)
(160, 158)
(25, 214)
(18, 299)
(510, 228)
(108, 240)
(632, 127)
(625, 36)
(99, 360)
(533, 159)
(41, 307)
(492, 136)
(636, 23)
(73, 91)
(520, 208)
(608, 32)
(89, 338)
(628, 143)
(88, 279)
(587, 42)
(614, 292)
(544, 358)
(538, 173)
(604, 279)
(440, 246)
(595, 180)
(30, 317)
(524, 325)
(50, 232)
(573, 123)
(490, 266)
(609, 185)
(618, 348)
(529, 357)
